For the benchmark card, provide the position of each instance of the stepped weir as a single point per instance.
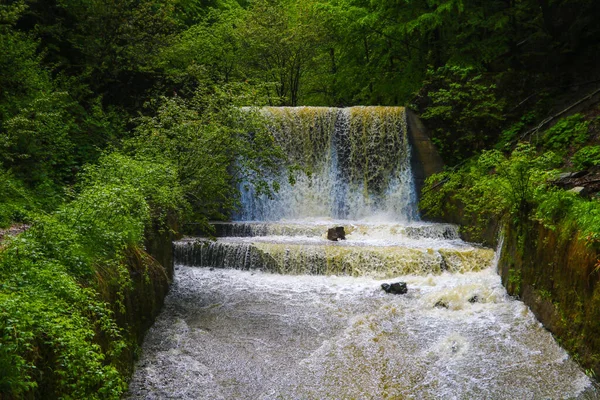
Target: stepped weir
(272, 309)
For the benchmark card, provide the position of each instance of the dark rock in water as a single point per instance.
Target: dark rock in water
(331, 235)
(474, 299)
(441, 304)
(398, 288)
(395, 288)
(336, 233)
(455, 347)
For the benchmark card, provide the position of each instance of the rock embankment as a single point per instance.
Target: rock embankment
(586, 183)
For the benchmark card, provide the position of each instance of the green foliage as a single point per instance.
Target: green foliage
(15, 201)
(493, 185)
(461, 110)
(568, 132)
(39, 140)
(213, 143)
(282, 38)
(517, 187)
(51, 313)
(514, 280)
(272, 44)
(157, 182)
(211, 48)
(103, 48)
(48, 140)
(47, 325)
(510, 135)
(553, 205)
(74, 72)
(21, 76)
(586, 157)
(570, 212)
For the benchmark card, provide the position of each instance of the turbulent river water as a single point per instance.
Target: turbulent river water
(274, 310)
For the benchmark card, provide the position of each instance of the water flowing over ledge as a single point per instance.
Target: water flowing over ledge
(355, 164)
(271, 309)
(370, 250)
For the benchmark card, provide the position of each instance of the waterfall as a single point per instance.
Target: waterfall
(272, 309)
(354, 163)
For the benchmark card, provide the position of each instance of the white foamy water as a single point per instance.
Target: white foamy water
(230, 334)
(384, 250)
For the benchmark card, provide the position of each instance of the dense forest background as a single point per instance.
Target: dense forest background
(76, 76)
(117, 116)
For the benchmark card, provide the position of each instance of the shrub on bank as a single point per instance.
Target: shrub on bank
(517, 186)
(58, 334)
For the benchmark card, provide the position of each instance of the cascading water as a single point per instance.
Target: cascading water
(355, 163)
(274, 310)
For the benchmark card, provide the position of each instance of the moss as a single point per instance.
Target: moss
(544, 294)
(514, 281)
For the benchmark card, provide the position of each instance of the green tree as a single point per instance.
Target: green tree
(21, 76)
(103, 48)
(209, 49)
(462, 111)
(213, 142)
(281, 40)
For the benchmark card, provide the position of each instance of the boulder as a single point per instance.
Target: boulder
(395, 288)
(336, 233)
(585, 183)
(577, 189)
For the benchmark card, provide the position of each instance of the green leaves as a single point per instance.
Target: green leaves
(39, 139)
(569, 131)
(33, 318)
(462, 111)
(15, 200)
(55, 331)
(493, 186)
(586, 157)
(212, 143)
(157, 182)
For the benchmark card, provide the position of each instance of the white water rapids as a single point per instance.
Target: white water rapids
(274, 310)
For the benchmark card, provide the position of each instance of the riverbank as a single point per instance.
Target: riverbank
(82, 285)
(549, 239)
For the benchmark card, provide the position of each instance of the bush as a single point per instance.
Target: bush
(492, 186)
(213, 142)
(586, 157)
(48, 322)
(15, 201)
(52, 316)
(462, 111)
(493, 182)
(158, 182)
(496, 186)
(568, 132)
(39, 137)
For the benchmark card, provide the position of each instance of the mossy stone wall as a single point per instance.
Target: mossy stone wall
(556, 275)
